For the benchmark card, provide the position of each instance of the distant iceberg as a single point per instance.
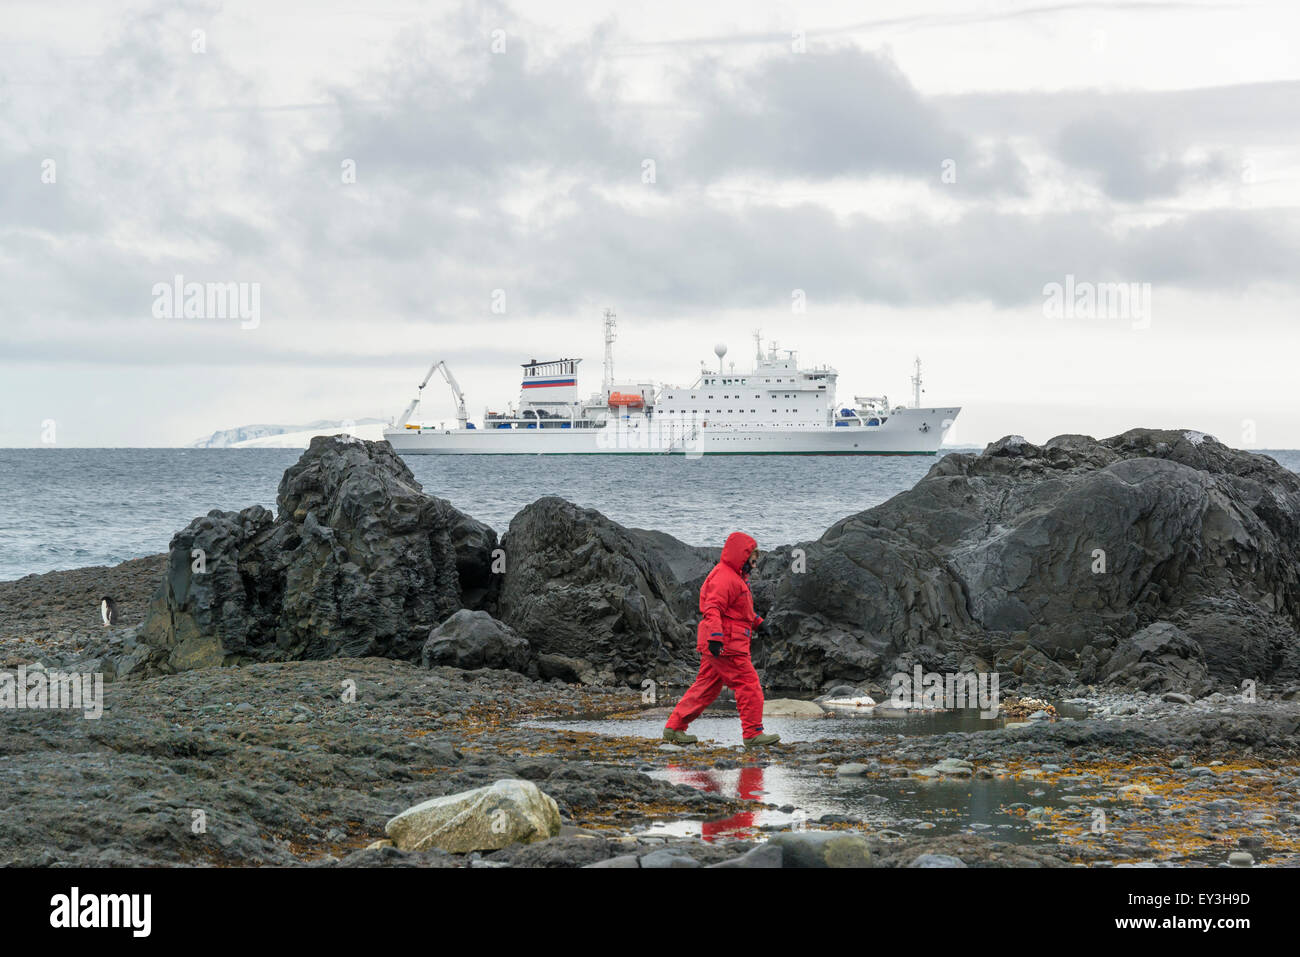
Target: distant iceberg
(288, 436)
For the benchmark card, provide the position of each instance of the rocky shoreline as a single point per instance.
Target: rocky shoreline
(281, 686)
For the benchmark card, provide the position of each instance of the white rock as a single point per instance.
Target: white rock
(792, 708)
(485, 819)
(858, 703)
(952, 767)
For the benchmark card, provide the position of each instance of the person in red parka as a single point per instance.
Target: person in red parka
(722, 640)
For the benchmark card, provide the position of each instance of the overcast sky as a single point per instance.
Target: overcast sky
(384, 174)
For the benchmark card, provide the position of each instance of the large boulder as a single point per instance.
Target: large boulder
(485, 819)
(1043, 557)
(474, 639)
(582, 586)
(357, 561)
(1158, 658)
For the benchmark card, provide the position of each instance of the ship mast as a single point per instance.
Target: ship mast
(611, 332)
(916, 385)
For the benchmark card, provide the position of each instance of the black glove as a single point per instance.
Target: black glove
(715, 649)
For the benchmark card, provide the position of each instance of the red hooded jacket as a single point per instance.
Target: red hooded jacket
(725, 600)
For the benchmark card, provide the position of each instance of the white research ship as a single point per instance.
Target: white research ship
(775, 409)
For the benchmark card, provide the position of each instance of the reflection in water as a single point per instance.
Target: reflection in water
(720, 727)
(941, 807)
(748, 786)
(904, 804)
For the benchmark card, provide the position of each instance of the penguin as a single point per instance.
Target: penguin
(108, 611)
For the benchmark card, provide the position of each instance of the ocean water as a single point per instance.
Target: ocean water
(65, 508)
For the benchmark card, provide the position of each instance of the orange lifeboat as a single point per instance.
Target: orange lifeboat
(627, 399)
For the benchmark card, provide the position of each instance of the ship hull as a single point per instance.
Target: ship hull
(906, 432)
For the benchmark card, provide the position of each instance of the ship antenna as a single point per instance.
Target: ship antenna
(916, 385)
(611, 332)
(758, 345)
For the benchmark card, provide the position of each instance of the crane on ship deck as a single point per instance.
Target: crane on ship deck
(439, 366)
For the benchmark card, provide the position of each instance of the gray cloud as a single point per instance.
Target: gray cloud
(165, 175)
(710, 258)
(1128, 164)
(828, 113)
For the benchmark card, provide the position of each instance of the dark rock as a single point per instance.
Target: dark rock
(936, 860)
(969, 849)
(822, 849)
(569, 670)
(358, 561)
(392, 857)
(1159, 658)
(669, 857)
(474, 639)
(765, 855)
(1051, 562)
(580, 585)
(562, 851)
(1050, 555)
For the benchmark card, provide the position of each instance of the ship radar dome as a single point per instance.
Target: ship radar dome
(720, 349)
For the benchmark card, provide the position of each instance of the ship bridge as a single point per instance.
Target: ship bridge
(553, 382)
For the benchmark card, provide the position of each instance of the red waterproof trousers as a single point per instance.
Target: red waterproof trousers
(735, 672)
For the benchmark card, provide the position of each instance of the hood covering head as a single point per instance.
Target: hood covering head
(738, 548)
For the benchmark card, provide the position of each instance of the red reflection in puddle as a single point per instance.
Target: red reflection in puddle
(749, 787)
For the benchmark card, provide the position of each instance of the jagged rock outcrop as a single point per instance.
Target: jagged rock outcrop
(1044, 563)
(1044, 557)
(579, 585)
(357, 561)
